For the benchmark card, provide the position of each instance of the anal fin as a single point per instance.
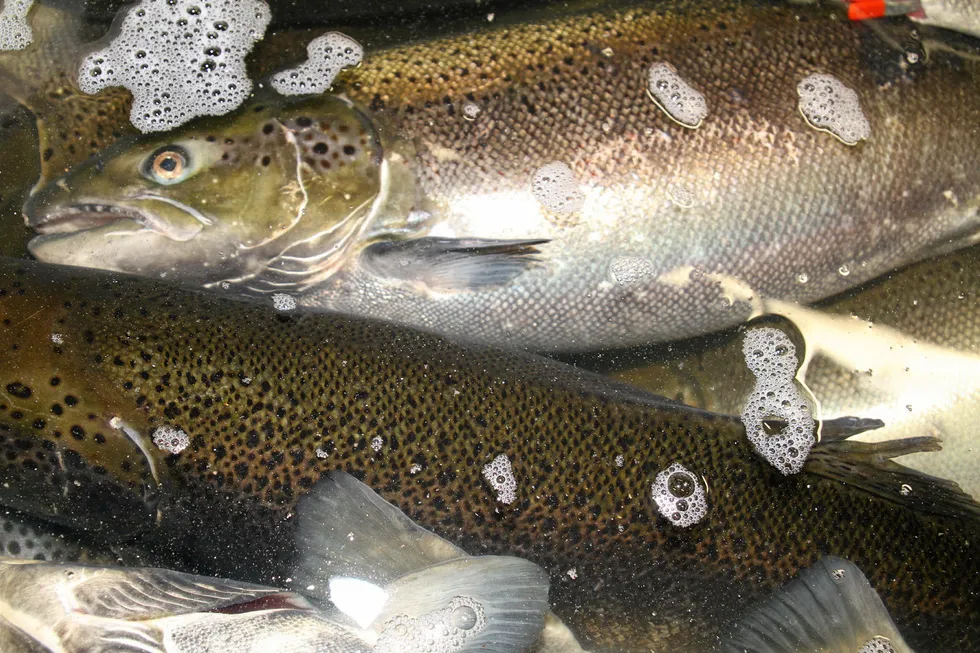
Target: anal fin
(452, 264)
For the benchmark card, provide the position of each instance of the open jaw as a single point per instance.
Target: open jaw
(83, 217)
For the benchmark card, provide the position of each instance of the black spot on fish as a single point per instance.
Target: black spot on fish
(349, 150)
(71, 400)
(241, 470)
(267, 128)
(18, 389)
(78, 432)
(48, 153)
(266, 160)
(304, 122)
(320, 148)
(57, 409)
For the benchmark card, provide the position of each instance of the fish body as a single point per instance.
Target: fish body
(204, 422)
(425, 213)
(904, 349)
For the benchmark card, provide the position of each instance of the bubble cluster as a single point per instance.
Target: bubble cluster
(555, 187)
(772, 358)
(878, 645)
(830, 106)
(471, 110)
(677, 98)
(681, 196)
(283, 302)
(630, 270)
(179, 58)
(500, 476)
(439, 631)
(679, 496)
(15, 32)
(170, 438)
(328, 55)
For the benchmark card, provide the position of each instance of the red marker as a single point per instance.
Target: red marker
(864, 9)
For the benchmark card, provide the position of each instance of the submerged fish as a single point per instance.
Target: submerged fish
(433, 598)
(534, 185)
(194, 424)
(904, 349)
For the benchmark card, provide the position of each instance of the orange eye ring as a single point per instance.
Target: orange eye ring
(168, 165)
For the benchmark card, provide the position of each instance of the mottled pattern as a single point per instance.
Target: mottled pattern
(271, 400)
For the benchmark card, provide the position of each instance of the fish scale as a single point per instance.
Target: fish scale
(270, 401)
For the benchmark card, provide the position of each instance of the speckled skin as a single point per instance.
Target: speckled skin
(271, 400)
(772, 198)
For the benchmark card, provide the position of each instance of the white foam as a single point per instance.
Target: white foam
(500, 476)
(328, 55)
(283, 302)
(170, 438)
(682, 507)
(678, 99)
(554, 186)
(15, 32)
(180, 59)
(471, 110)
(630, 270)
(771, 356)
(439, 631)
(830, 106)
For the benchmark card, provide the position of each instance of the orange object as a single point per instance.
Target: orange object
(864, 9)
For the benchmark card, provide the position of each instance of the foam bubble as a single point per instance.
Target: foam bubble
(771, 356)
(377, 442)
(180, 59)
(500, 476)
(878, 645)
(440, 631)
(630, 270)
(170, 438)
(328, 55)
(676, 97)
(679, 496)
(283, 302)
(15, 32)
(830, 106)
(471, 110)
(555, 187)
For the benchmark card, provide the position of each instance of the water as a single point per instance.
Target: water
(899, 351)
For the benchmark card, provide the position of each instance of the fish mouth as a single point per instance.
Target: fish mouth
(83, 217)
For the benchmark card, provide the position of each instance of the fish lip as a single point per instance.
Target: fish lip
(84, 216)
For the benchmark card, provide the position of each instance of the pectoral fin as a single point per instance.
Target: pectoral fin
(452, 265)
(830, 607)
(346, 529)
(489, 603)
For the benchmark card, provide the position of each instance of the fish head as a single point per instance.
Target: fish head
(224, 199)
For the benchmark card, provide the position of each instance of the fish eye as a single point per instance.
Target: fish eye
(167, 165)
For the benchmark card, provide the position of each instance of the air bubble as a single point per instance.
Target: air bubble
(681, 196)
(554, 186)
(771, 357)
(830, 106)
(471, 110)
(142, 58)
(440, 631)
(283, 302)
(630, 270)
(679, 496)
(500, 476)
(170, 438)
(328, 55)
(844, 270)
(803, 277)
(15, 32)
(680, 101)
